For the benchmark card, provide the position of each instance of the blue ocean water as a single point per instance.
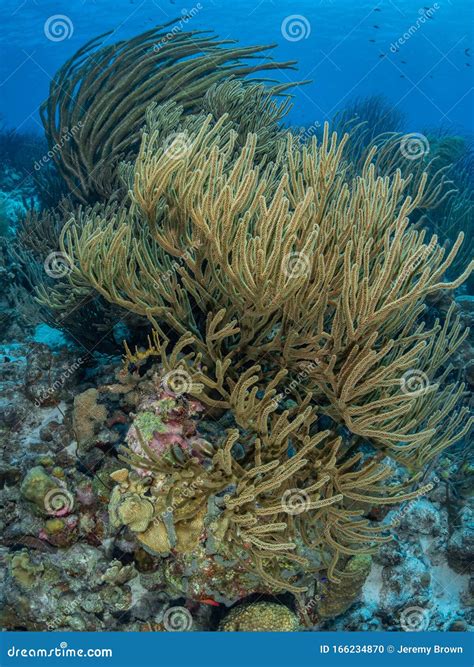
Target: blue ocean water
(419, 56)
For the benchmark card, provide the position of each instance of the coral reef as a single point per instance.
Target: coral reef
(455, 215)
(335, 600)
(337, 295)
(62, 570)
(367, 120)
(446, 208)
(91, 118)
(92, 123)
(291, 404)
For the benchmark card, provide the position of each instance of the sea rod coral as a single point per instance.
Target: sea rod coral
(98, 98)
(255, 273)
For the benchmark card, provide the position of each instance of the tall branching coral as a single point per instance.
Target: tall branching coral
(457, 218)
(376, 134)
(280, 517)
(365, 119)
(456, 213)
(97, 100)
(256, 270)
(251, 106)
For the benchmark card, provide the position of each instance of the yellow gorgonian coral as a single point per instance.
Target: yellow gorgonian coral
(280, 279)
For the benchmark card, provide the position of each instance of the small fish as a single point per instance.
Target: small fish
(372, 40)
(377, 9)
(376, 27)
(468, 64)
(466, 52)
(382, 55)
(209, 601)
(402, 76)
